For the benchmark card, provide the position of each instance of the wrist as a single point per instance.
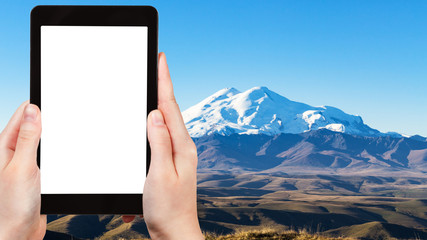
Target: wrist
(195, 234)
(12, 232)
(177, 231)
(22, 231)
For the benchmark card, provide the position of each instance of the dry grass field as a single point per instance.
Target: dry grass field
(307, 207)
(271, 233)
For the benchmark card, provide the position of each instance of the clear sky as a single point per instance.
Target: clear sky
(368, 58)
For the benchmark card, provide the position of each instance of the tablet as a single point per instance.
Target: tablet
(94, 77)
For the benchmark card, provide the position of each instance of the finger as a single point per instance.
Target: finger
(9, 136)
(128, 219)
(183, 148)
(160, 145)
(28, 137)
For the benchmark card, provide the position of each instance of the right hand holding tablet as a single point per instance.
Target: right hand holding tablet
(170, 191)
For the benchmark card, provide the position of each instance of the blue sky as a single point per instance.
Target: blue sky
(368, 58)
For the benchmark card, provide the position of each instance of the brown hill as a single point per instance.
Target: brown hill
(377, 231)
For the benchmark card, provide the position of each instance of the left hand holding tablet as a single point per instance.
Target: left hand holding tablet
(20, 176)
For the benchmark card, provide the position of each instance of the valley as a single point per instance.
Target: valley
(359, 207)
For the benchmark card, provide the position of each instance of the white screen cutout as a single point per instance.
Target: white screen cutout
(93, 109)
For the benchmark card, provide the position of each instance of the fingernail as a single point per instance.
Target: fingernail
(30, 113)
(158, 119)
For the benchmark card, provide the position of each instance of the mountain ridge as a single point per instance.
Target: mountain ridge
(262, 111)
(315, 152)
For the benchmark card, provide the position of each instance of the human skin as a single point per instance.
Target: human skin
(20, 176)
(170, 190)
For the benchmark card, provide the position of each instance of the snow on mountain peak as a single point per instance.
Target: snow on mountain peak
(260, 110)
(226, 92)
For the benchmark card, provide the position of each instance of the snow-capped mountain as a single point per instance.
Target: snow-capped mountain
(262, 111)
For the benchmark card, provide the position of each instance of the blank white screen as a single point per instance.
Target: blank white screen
(93, 109)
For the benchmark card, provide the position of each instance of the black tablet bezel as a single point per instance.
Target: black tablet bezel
(94, 16)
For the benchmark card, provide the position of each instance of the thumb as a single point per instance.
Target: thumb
(160, 145)
(29, 135)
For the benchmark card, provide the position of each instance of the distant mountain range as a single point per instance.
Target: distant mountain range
(262, 111)
(261, 131)
(315, 152)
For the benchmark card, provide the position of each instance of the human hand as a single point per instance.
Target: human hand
(170, 191)
(20, 176)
